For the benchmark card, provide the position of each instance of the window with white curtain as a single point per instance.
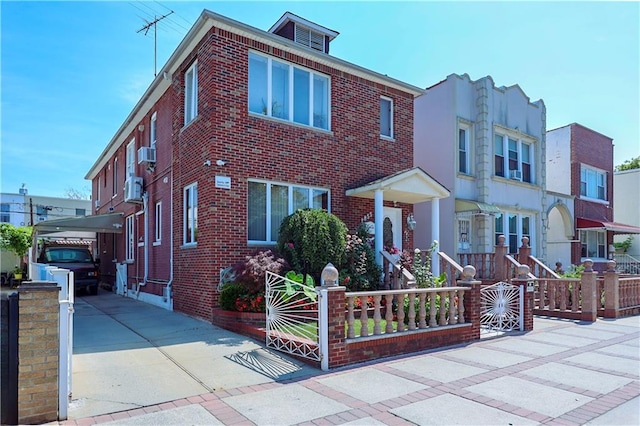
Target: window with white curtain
(190, 231)
(270, 202)
(281, 90)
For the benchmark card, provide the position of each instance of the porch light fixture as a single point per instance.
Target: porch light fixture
(411, 222)
(329, 275)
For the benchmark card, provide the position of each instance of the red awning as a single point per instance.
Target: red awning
(618, 228)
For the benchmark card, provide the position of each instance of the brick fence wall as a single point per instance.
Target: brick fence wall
(38, 342)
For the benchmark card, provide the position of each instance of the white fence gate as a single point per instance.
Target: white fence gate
(502, 307)
(292, 317)
(121, 279)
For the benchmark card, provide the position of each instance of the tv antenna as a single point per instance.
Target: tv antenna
(155, 36)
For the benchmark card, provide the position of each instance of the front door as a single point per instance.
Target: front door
(392, 228)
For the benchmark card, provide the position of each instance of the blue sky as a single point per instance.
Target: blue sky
(72, 71)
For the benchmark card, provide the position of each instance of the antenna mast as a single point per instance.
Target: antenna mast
(155, 36)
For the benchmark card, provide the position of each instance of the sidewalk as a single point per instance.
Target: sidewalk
(563, 372)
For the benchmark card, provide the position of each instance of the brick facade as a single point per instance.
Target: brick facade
(592, 149)
(348, 155)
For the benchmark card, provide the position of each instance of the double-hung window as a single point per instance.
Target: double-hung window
(158, 224)
(131, 158)
(592, 244)
(269, 202)
(191, 93)
(281, 90)
(115, 176)
(190, 214)
(5, 215)
(386, 117)
(513, 158)
(130, 238)
(593, 183)
(153, 127)
(463, 150)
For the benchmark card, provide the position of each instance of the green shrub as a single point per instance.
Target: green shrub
(359, 272)
(310, 238)
(229, 294)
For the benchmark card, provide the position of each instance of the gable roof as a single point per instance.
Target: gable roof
(410, 186)
(203, 24)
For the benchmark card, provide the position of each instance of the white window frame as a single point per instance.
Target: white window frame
(158, 224)
(130, 239)
(586, 236)
(519, 234)
(131, 159)
(505, 156)
(291, 68)
(467, 148)
(272, 239)
(599, 174)
(115, 177)
(391, 129)
(191, 93)
(153, 130)
(190, 218)
(98, 191)
(464, 235)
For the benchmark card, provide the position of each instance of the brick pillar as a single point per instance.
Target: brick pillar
(522, 281)
(337, 349)
(472, 300)
(38, 349)
(524, 252)
(588, 285)
(501, 250)
(611, 291)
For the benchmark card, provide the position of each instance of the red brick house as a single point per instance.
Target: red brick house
(240, 128)
(580, 163)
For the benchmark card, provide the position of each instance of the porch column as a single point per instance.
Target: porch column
(435, 232)
(378, 211)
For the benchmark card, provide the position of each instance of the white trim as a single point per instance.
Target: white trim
(157, 228)
(189, 188)
(467, 133)
(391, 107)
(191, 89)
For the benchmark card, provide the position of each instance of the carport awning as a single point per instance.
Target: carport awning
(618, 228)
(475, 207)
(106, 223)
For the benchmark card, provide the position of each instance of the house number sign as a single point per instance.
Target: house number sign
(223, 182)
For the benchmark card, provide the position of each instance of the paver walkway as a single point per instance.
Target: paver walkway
(563, 372)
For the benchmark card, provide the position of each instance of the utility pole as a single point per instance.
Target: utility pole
(31, 210)
(155, 37)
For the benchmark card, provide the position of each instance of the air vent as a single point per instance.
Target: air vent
(309, 38)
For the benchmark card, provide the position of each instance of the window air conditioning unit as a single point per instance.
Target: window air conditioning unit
(133, 190)
(515, 174)
(146, 155)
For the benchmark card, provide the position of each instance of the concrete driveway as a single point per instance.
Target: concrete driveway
(129, 354)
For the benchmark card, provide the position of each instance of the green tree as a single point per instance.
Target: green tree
(310, 238)
(15, 239)
(634, 163)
